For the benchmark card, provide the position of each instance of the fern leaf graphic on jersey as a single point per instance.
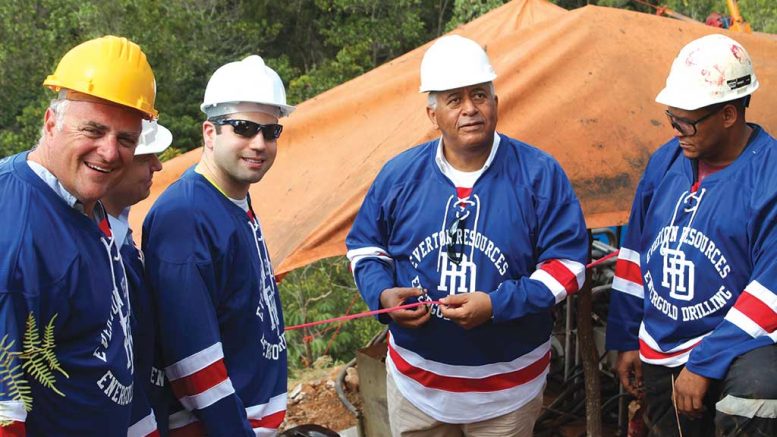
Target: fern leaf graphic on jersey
(12, 375)
(47, 348)
(34, 360)
(37, 359)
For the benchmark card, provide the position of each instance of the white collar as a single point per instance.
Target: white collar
(52, 181)
(448, 170)
(120, 226)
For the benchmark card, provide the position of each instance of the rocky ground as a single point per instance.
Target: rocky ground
(313, 399)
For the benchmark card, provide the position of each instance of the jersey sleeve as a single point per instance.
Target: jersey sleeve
(561, 251)
(185, 294)
(627, 297)
(12, 410)
(752, 321)
(144, 425)
(371, 264)
(13, 311)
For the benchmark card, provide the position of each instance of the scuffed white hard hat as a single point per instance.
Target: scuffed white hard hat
(709, 70)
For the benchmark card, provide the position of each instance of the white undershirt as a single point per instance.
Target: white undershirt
(242, 203)
(464, 179)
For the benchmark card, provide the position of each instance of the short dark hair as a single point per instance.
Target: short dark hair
(215, 121)
(740, 103)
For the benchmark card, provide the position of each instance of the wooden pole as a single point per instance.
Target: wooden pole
(590, 357)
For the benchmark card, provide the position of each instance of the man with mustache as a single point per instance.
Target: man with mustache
(694, 307)
(64, 303)
(489, 226)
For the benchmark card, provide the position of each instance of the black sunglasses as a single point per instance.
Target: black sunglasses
(688, 127)
(456, 251)
(249, 129)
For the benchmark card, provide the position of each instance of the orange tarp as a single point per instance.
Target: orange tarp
(578, 84)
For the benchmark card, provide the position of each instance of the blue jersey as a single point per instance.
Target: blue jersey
(518, 235)
(220, 325)
(695, 280)
(59, 268)
(148, 397)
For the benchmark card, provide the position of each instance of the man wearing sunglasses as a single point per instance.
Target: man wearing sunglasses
(220, 324)
(489, 226)
(694, 308)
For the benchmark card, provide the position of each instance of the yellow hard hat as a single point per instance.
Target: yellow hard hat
(111, 68)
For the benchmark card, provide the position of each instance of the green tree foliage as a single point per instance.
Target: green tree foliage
(465, 11)
(313, 44)
(320, 291)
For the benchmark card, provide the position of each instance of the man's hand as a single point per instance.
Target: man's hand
(408, 318)
(468, 309)
(689, 391)
(629, 368)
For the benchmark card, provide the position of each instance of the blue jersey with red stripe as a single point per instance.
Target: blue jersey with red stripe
(221, 325)
(695, 280)
(517, 235)
(58, 266)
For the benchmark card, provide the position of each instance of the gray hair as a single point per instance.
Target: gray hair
(59, 107)
(431, 97)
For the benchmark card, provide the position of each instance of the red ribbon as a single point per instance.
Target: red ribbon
(409, 305)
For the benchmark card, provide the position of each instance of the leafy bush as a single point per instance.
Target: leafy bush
(320, 291)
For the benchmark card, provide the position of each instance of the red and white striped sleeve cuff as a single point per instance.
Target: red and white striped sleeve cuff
(356, 255)
(145, 427)
(628, 276)
(562, 276)
(14, 412)
(755, 311)
(650, 351)
(267, 418)
(201, 379)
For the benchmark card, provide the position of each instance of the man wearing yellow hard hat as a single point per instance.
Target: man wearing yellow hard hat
(66, 349)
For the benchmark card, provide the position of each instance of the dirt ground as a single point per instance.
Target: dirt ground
(313, 399)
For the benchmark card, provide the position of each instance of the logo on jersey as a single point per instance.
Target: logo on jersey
(267, 304)
(458, 277)
(460, 248)
(267, 308)
(678, 274)
(112, 384)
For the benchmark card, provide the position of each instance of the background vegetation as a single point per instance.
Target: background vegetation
(313, 44)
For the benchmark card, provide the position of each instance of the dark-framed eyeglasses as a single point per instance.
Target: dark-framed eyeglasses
(249, 129)
(687, 127)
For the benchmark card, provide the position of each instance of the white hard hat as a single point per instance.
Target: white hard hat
(454, 62)
(250, 81)
(709, 70)
(155, 138)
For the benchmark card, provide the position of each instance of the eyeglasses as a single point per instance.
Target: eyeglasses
(456, 251)
(687, 128)
(249, 129)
